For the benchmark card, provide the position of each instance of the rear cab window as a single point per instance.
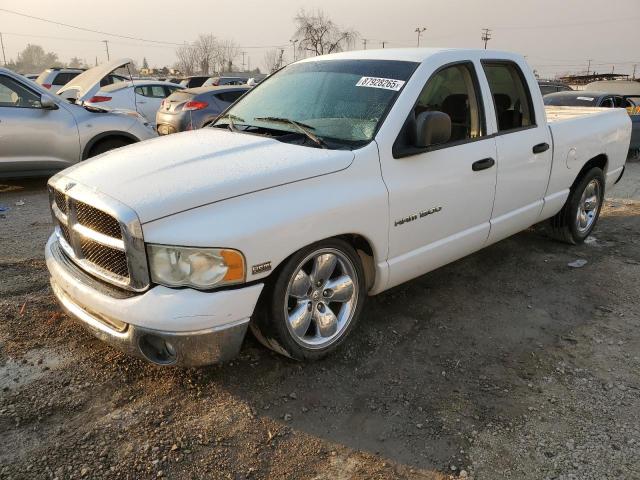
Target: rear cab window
(511, 96)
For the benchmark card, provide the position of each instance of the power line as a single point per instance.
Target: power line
(6, 10)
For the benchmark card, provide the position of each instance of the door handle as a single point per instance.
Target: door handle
(541, 147)
(141, 101)
(483, 164)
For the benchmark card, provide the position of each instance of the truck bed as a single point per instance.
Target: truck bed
(559, 114)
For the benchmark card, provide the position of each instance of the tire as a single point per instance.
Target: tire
(108, 144)
(577, 219)
(296, 316)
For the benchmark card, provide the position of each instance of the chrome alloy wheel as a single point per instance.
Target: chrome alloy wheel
(321, 298)
(588, 206)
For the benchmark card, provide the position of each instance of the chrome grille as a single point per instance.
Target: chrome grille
(99, 234)
(105, 257)
(61, 201)
(97, 220)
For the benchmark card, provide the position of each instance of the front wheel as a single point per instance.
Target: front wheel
(577, 219)
(314, 301)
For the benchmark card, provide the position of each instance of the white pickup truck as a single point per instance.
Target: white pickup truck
(338, 177)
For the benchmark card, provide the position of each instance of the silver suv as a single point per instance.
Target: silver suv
(41, 132)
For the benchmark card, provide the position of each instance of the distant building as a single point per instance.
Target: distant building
(593, 77)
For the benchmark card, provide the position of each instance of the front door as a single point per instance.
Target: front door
(441, 199)
(33, 139)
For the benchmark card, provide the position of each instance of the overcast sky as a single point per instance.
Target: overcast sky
(556, 35)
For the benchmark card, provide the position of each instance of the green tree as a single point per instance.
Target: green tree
(34, 59)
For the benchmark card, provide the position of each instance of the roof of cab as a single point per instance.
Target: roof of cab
(409, 54)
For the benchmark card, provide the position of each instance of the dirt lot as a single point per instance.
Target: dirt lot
(506, 364)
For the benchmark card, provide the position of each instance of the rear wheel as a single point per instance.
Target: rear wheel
(108, 144)
(313, 303)
(577, 219)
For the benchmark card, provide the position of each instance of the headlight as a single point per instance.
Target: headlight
(195, 267)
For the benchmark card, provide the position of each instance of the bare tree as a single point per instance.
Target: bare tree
(271, 60)
(318, 35)
(228, 50)
(207, 51)
(34, 59)
(187, 61)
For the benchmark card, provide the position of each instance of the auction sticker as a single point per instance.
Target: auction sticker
(375, 82)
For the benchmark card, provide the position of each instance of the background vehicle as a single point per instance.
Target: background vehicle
(143, 96)
(195, 107)
(86, 85)
(220, 81)
(53, 79)
(603, 100)
(41, 133)
(548, 86)
(194, 81)
(340, 177)
(31, 76)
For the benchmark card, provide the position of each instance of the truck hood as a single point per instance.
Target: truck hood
(178, 172)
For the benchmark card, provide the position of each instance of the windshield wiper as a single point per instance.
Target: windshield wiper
(302, 127)
(231, 117)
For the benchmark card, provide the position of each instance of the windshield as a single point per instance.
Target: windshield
(343, 101)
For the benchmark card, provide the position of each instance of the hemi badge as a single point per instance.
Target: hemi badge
(261, 268)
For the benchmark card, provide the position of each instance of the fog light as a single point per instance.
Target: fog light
(157, 350)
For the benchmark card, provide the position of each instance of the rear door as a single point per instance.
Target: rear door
(523, 141)
(148, 100)
(33, 139)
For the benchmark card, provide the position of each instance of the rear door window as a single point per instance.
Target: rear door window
(511, 96)
(229, 97)
(607, 102)
(63, 78)
(151, 91)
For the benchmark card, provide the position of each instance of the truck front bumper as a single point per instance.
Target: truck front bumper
(164, 326)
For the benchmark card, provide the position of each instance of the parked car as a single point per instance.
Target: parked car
(603, 100)
(54, 78)
(194, 81)
(31, 76)
(220, 81)
(195, 108)
(338, 178)
(87, 84)
(548, 86)
(41, 133)
(143, 96)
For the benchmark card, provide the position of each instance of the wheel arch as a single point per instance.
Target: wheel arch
(107, 136)
(601, 161)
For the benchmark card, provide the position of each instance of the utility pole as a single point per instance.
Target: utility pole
(106, 45)
(383, 43)
(589, 67)
(293, 43)
(280, 59)
(243, 54)
(4, 58)
(419, 31)
(486, 36)
(364, 43)
(633, 77)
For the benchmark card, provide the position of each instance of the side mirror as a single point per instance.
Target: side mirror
(432, 128)
(47, 103)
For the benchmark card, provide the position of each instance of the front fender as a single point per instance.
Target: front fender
(272, 224)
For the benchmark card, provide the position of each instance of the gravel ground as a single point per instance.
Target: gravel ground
(506, 364)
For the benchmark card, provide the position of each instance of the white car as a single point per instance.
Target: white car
(143, 96)
(338, 177)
